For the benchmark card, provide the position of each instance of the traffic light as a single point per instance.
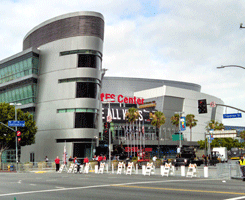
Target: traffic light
(202, 106)
(106, 125)
(106, 135)
(18, 133)
(19, 139)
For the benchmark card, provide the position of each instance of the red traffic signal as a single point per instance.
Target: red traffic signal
(18, 133)
(19, 139)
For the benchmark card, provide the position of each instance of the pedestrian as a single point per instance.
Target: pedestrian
(57, 162)
(70, 159)
(94, 158)
(164, 160)
(100, 158)
(154, 159)
(242, 167)
(104, 158)
(46, 160)
(85, 161)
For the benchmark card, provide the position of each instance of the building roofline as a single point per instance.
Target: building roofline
(153, 80)
(68, 15)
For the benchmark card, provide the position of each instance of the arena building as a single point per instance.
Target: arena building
(167, 96)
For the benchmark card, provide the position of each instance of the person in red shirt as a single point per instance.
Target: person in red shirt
(57, 162)
(100, 158)
(86, 160)
(104, 158)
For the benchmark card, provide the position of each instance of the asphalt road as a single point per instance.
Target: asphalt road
(25, 186)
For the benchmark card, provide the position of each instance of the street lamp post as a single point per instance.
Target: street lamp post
(230, 66)
(16, 142)
(180, 113)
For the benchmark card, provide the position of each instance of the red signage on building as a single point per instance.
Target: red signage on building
(135, 149)
(121, 99)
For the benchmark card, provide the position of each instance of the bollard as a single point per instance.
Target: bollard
(143, 169)
(205, 172)
(182, 170)
(112, 168)
(136, 171)
(162, 168)
(96, 169)
(124, 166)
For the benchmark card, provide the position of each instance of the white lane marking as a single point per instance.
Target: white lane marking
(96, 186)
(19, 181)
(33, 184)
(243, 197)
(59, 187)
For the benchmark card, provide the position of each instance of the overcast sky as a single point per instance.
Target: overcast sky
(160, 39)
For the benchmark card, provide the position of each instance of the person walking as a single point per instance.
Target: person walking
(46, 160)
(154, 159)
(100, 158)
(86, 160)
(242, 167)
(57, 162)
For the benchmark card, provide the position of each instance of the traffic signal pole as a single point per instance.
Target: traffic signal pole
(180, 113)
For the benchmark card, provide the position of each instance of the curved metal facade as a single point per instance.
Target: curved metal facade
(71, 49)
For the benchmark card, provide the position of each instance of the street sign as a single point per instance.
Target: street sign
(109, 118)
(182, 124)
(176, 137)
(232, 115)
(16, 123)
(212, 104)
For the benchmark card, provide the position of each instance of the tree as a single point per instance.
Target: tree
(224, 142)
(158, 119)
(175, 120)
(242, 135)
(7, 136)
(212, 124)
(190, 122)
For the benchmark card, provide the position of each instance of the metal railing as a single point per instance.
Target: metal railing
(228, 171)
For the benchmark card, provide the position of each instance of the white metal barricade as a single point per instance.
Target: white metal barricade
(81, 169)
(75, 169)
(167, 170)
(71, 168)
(192, 170)
(62, 168)
(130, 168)
(86, 169)
(149, 169)
(101, 169)
(120, 167)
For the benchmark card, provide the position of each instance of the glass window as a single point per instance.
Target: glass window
(25, 92)
(29, 63)
(86, 90)
(85, 120)
(80, 110)
(13, 95)
(61, 111)
(17, 68)
(70, 110)
(86, 60)
(29, 91)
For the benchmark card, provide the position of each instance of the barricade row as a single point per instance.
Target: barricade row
(149, 169)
